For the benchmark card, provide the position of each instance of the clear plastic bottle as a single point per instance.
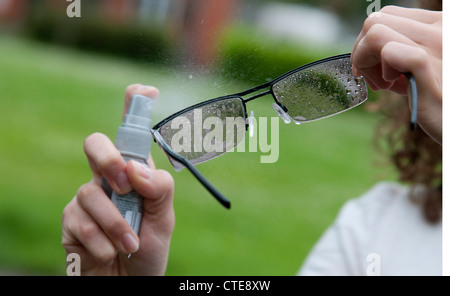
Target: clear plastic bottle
(133, 141)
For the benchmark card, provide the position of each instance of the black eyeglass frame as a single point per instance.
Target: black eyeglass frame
(218, 195)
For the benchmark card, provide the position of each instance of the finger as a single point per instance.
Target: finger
(81, 234)
(367, 52)
(373, 77)
(417, 31)
(105, 161)
(419, 62)
(156, 186)
(402, 58)
(413, 23)
(400, 86)
(366, 56)
(94, 201)
(420, 15)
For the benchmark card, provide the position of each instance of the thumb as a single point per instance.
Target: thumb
(156, 186)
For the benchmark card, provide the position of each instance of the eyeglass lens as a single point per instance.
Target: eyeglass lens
(206, 132)
(321, 90)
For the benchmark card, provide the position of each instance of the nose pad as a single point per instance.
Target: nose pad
(286, 118)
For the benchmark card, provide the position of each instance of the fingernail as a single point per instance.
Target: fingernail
(143, 88)
(143, 170)
(146, 88)
(130, 244)
(122, 182)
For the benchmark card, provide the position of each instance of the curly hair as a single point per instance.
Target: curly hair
(430, 4)
(416, 156)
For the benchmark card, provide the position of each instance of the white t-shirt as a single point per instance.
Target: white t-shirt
(381, 233)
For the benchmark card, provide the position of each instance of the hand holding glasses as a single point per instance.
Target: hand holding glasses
(308, 93)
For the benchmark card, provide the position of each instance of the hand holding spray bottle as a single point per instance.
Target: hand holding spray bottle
(133, 141)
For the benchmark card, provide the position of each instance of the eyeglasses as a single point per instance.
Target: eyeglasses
(308, 93)
(311, 92)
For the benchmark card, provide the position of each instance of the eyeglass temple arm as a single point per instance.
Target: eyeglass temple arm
(217, 195)
(413, 93)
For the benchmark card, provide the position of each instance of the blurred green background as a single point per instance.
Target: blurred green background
(63, 78)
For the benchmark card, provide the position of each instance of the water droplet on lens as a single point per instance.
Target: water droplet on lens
(359, 80)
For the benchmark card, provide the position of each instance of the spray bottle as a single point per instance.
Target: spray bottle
(133, 141)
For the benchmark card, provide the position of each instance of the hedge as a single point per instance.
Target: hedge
(249, 55)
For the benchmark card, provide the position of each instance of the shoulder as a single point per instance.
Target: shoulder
(342, 249)
(378, 202)
(383, 221)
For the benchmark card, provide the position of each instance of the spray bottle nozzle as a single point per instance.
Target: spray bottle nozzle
(133, 136)
(139, 112)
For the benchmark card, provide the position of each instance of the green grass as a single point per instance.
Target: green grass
(52, 98)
